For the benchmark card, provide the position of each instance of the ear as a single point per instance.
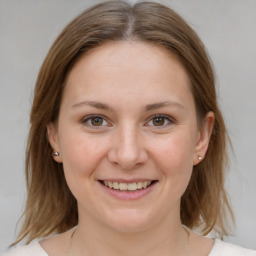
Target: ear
(204, 135)
(54, 141)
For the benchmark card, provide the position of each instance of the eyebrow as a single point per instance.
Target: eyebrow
(163, 104)
(94, 104)
(148, 107)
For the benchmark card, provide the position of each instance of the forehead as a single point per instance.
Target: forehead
(128, 68)
(127, 55)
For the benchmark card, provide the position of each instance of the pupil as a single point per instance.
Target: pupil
(97, 121)
(158, 121)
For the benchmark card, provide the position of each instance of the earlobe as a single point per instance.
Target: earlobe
(203, 140)
(54, 142)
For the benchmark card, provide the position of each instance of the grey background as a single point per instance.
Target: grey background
(227, 27)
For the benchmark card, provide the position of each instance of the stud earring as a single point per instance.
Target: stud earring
(55, 153)
(200, 158)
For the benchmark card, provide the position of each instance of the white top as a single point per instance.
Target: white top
(219, 249)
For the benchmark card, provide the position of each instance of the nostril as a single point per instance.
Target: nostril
(127, 153)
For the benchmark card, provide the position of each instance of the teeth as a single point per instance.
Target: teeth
(127, 186)
(115, 185)
(139, 185)
(110, 184)
(132, 186)
(144, 184)
(123, 186)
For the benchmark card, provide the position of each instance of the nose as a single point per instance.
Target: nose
(127, 149)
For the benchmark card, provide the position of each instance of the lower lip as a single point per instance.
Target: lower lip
(128, 195)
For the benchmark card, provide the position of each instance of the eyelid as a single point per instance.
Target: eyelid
(170, 119)
(87, 118)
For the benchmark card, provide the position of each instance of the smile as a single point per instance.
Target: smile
(127, 190)
(133, 186)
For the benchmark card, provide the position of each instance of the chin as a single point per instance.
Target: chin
(129, 221)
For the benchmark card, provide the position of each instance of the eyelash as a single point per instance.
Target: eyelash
(90, 118)
(165, 117)
(104, 119)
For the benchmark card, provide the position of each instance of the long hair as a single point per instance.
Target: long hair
(50, 206)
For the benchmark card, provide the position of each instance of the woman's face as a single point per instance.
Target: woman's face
(127, 135)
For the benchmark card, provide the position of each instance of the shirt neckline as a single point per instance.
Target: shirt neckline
(210, 253)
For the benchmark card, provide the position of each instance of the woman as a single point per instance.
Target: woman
(127, 145)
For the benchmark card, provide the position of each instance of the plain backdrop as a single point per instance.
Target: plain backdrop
(227, 27)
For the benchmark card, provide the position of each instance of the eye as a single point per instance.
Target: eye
(160, 121)
(95, 121)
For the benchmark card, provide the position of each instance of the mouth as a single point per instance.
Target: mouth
(131, 186)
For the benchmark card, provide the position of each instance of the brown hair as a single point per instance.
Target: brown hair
(50, 206)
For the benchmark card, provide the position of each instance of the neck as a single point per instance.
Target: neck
(94, 239)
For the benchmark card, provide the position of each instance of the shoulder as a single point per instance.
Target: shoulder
(33, 249)
(221, 248)
(52, 245)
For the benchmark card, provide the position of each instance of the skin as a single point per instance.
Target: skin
(128, 84)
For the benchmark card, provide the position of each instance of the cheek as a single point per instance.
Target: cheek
(174, 160)
(175, 156)
(81, 153)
